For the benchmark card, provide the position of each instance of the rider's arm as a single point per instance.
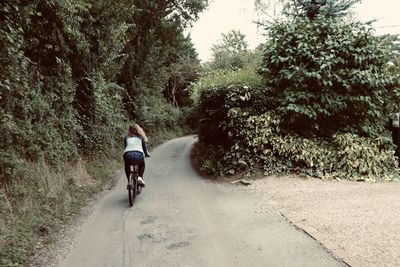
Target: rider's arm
(145, 150)
(125, 141)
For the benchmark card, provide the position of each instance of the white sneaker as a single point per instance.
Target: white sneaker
(140, 181)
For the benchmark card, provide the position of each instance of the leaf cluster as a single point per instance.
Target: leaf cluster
(214, 92)
(245, 138)
(319, 8)
(327, 76)
(232, 53)
(74, 72)
(261, 144)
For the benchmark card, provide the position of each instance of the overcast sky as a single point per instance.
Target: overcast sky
(225, 15)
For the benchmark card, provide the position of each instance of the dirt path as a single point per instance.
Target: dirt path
(183, 220)
(359, 222)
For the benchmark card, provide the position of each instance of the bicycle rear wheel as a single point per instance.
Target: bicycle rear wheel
(131, 190)
(138, 188)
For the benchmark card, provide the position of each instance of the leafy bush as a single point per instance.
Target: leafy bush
(326, 76)
(39, 123)
(365, 158)
(156, 114)
(232, 53)
(208, 158)
(223, 78)
(106, 119)
(260, 143)
(238, 133)
(214, 91)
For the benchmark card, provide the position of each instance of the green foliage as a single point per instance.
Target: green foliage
(326, 76)
(314, 8)
(260, 143)
(106, 121)
(270, 11)
(70, 71)
(156, 114)
(223, 78)
(239, 132)
(233, 42)
(157, 48)
(183, 70)
(214, 92)
(72, 74)
(33, 211)
(364, 158)
(38, 123)
(208, 158)
(232, 53)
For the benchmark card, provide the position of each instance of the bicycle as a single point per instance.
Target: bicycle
(134, 188)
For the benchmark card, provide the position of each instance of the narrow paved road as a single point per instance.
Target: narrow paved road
(183, 220)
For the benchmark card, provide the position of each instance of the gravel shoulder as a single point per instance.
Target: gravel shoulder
(358, 222)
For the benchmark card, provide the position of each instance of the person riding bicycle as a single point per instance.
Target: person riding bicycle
(135, 150)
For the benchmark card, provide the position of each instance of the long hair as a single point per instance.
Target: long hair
(135, 129)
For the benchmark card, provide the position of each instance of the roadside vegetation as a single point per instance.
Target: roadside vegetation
(313, 99)
(73, 75)
(317, 104)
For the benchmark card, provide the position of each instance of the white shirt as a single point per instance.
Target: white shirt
(133, 143)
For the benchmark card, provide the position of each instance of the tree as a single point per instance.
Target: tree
(328, 75)
(183, 71)
(67, 64)
(233, 42)
(151, 47)
(269, 10)
(231, 52)
(314, 8)
(69, 72)
(272, 9)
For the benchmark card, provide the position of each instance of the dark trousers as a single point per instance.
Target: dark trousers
(134, 158)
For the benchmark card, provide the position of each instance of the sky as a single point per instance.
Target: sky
(225, 15)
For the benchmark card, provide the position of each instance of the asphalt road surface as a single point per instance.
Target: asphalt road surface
(180, 219)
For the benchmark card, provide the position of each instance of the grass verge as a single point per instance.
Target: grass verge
(34, 210)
